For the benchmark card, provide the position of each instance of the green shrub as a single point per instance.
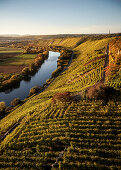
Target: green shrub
(101, 92)
(63, 97)
(15, 102)
(2, 107)
(34, 90)
(56, 72)
(32, 67)
(25, 71)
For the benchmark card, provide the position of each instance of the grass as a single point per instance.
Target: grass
(90, 131)
(12, 51)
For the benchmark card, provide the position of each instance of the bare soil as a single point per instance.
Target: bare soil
(9, 55)
(11, 69)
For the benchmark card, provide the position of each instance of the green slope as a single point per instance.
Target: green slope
(90, 131)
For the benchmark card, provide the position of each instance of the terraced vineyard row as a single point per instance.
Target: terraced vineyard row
(64, 42)
(113, 70)
(85, 70)
(90, 131)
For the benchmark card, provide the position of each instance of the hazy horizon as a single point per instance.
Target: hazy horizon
(52, 17)
(15, 35)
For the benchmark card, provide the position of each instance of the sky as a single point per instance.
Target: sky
(59, 16)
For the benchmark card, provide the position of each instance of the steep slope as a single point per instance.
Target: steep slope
(113, 70)
(88, 130)
(86, 69)
(66, 42)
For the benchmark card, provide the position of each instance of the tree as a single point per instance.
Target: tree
(25, 71)
(15, 102)
(34, 90)
(2, 107)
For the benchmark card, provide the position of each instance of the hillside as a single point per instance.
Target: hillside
(62, 133)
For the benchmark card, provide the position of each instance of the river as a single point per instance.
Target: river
(43, 73)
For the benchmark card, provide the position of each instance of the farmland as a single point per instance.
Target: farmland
(87, 131)
(14, 57)
(13, 61)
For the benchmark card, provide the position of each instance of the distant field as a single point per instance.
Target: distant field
(11, 69)
(22, 59)
(8, 50)
(11, 58)
(7, 55)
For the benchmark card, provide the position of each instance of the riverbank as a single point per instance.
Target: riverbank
(15, 79)
(68, 54)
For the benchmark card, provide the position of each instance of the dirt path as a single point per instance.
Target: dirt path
(55, 165)
(104, 74)
(106, 63)
(10, 130)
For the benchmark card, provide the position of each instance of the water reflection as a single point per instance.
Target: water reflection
(39, 78)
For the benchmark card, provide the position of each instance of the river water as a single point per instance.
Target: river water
(43, 73)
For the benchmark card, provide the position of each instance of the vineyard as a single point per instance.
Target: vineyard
(58, 132)
(90, 131)
(86, 69)
(113, 70)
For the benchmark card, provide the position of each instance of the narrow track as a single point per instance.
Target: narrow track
(10, 130)
(106, 63)
(55, 165)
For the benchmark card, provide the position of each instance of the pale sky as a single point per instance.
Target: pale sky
(59, 16)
